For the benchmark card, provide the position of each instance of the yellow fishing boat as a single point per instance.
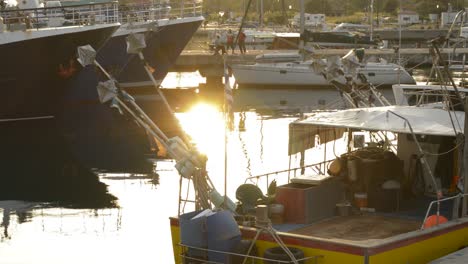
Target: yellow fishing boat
(395, 195)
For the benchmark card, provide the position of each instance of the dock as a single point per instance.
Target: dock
(192, 58)
(211, 66)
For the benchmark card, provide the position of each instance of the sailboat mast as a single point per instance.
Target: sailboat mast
(285, 16)
(371, 20)
(302, 22)
(246, 11)
(465, 161)
(399, 47)
(261, 13)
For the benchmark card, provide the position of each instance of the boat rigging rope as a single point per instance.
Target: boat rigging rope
(436, 57)
(423, 159)
(444, 153)
(449, 102)
(190, 164)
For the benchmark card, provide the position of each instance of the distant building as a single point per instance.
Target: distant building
(433, 18)
(447, 18)
(310, 20)
(408, 18)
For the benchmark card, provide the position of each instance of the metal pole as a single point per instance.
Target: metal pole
(371, 19)
(180, 194)
(464, 162)
(257, 7)
(399, 47)
(261, 14)
(445, 67)
(166, 103)
(243, 22)
(423, 158)
(378, 8)
(283, 9)
(182, 5)
(302, 22)
(226, 107)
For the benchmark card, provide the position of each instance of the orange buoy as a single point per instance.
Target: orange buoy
(432, 221)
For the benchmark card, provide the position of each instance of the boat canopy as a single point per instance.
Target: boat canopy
(330, 126)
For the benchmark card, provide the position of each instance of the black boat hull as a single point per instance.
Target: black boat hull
(102, 138)
(31, 82)
(36, 160)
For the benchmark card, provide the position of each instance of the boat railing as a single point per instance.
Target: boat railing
(245, 258)
(456, 214)
(162, 10)
(422, 97)
(37, 18)
(316, 168)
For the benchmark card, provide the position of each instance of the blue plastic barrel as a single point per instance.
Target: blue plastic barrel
(223, 234)
(193, 233)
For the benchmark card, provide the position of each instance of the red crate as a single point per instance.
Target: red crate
(293, 197)
(305, 203)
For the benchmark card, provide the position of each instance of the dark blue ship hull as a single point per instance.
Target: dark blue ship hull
(35, 156)
(164, 47)
(102, 138)
(31, 82)
(99, 136)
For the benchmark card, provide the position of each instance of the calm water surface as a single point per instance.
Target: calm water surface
(138, 231)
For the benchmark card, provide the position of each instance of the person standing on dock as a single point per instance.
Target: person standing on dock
(242, 42)
(230, 41)
(219, 46)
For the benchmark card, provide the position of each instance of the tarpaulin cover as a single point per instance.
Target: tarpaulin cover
(331, 125)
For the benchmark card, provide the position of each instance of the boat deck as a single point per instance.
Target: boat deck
(458, 257)
(358, 227)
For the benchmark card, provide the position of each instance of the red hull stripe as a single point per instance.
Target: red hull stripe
(349, 249)
(330, 246)
(412, 240)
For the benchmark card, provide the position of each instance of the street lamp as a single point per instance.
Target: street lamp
(220, 15)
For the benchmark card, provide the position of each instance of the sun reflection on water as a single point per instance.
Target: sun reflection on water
(205, 124)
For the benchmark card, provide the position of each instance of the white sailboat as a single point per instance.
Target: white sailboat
(300, 73)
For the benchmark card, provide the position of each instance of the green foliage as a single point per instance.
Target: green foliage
(275, 17)
(331, 6)
(356, 18)
(317, 7)
(347, 9)
(391, 6)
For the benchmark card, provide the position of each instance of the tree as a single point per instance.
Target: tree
(317, 7)
(426, 7)
(391, 6)
(359, 5)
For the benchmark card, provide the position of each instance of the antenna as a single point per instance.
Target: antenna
(399, 46)
(371, 20)
(302, 22)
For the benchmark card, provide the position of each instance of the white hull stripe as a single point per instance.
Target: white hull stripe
(17, 36)
(26, 118)
(139, 27)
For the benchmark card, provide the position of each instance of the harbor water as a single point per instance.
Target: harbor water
(137, 230)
